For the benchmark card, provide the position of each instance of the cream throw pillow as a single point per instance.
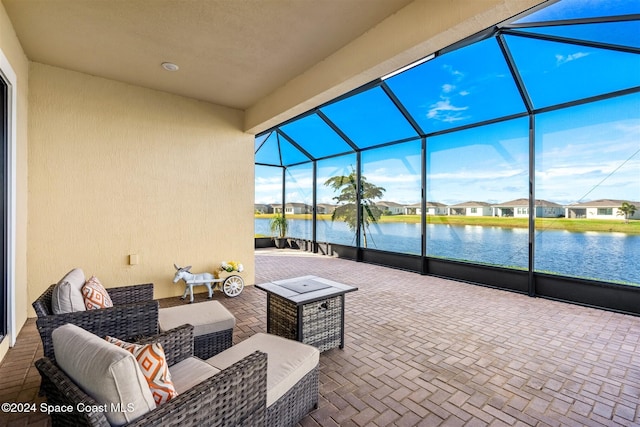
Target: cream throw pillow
(109, 374)
(67, 294)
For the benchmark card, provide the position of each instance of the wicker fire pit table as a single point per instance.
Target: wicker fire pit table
(308, 309)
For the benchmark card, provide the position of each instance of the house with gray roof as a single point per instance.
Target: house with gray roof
(325, 208)
(600, 209)
(262, 208)
(471, 208)
(391, 208)
(413, 209)
(293, 208)
(519, 208)
(433, 208)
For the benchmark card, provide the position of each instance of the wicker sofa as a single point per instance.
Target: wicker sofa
(134, 314)
(264, 380)
(235, 396)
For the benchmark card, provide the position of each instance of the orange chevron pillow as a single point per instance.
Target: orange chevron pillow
(95, 295)
(153, 365)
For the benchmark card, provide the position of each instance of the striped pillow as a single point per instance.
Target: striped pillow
(153, 365)
(95, 295)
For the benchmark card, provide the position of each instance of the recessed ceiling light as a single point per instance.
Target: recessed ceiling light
(170, 66)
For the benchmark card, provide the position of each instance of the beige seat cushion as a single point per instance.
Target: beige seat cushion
(288, 361)
(67, 294)
(106, 372)
(190, 372)
(206, 317)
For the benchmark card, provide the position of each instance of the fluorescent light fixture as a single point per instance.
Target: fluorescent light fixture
(407, 67)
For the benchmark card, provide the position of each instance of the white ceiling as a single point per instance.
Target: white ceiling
(230, 52)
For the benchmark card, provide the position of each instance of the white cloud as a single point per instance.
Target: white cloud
(383, 180)
(456, 73)
(562, 59)
(445, 111)
(446, 88)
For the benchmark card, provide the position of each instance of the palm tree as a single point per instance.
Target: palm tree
(628, 210)
(346, 200)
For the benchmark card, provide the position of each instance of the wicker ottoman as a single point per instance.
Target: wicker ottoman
(292, 375)
(212, 325)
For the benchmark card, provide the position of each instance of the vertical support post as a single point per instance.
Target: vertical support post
(360, 223)
(423, 206)
(284, 191)
(532, 205)
(314, 211)
(284, 186)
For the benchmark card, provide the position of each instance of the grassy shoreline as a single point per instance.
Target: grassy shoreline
(572, 225)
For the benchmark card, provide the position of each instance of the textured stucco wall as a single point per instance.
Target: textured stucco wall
(13, 52)
(116, 169)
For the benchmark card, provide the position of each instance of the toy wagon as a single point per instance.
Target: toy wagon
(231, 286)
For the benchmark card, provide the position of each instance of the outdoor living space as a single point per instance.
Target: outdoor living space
(143, 139)
(421, 350)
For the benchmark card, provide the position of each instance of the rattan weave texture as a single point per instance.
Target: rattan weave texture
(321, 321)
(134, 314)
(209, 345)
(234, 397)
(294, 405)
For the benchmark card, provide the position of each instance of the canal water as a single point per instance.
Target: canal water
(612, 257)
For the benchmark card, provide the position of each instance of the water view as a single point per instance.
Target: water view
(469, 137)
(596, 255)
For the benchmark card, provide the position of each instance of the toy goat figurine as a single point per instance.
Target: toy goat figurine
(191, 280)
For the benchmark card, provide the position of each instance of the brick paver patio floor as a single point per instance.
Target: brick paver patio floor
(426, 351)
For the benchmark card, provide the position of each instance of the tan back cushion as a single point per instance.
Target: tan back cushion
(67, 294)
(106, 372)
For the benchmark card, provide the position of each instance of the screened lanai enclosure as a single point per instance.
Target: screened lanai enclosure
(510, 159)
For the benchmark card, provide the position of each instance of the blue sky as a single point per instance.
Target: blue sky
(584, 152)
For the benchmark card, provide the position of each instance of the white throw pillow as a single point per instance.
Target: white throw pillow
(67, 294)
(108, 373)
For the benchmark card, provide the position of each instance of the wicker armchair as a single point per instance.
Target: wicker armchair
(236, 396)
(134, 314)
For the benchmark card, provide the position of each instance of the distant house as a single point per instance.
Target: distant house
(325, 208)
(600, 209)
(391, 208)
(519, 208)
(433, 208)
(414, 209)
(471, 208)
(293, 208)
(297, 208)
(262, 208)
